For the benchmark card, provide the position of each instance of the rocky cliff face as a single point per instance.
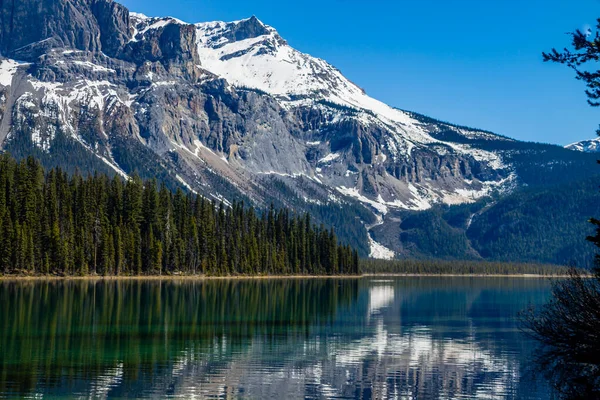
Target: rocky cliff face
(228, 110)
(29, 28)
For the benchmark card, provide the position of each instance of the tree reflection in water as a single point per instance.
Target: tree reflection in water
(308, 338)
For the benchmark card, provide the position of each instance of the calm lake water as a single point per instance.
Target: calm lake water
(405, 338)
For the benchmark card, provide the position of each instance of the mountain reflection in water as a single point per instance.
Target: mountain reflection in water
(316, 338)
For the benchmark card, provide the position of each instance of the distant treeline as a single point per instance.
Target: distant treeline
(440, 267)
(61, 224)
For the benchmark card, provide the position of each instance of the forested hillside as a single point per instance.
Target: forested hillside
(548, 225)
(62, 224)
(538, 224)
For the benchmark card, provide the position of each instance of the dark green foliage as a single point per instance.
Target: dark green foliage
(441, 267)
(60, 224)
(348, 217)
(539, 164)
(433, 235)
(585, 49)
(72, 157)
(547, 226)
(132, 157)
(460, 216)
(429, 120)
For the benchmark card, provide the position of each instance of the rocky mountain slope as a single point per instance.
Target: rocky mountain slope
(230, 110)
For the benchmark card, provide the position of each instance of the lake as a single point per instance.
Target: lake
(368, 338)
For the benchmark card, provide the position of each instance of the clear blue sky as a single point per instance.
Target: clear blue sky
(476, 63)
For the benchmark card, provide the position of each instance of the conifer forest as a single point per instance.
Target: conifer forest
(53, 223)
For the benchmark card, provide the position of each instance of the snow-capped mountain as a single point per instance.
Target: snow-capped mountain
(587, 146)
(229, 110)
(249, 54)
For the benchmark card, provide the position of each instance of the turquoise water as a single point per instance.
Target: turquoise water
(405, 338)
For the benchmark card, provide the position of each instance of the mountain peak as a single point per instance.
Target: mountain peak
(248, 29)
(253, 20)
(228, 109)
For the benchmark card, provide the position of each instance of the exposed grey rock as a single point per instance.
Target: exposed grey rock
(114, 24)
(134, 94)
(247, 29)
(173, 45)
(57, 23)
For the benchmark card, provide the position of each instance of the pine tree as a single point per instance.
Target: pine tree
(71, 225)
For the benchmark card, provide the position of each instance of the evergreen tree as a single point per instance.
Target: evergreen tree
(71, 225)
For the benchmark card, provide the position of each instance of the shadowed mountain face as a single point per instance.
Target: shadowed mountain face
(230, 110)
(31, 27)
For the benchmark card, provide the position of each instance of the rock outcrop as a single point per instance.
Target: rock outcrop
(29, 28)
(228, 110)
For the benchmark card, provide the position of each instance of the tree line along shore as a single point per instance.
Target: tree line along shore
(53, 223)
(459, 267)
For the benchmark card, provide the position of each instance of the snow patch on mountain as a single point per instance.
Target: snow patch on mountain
(377, 250)
(329, 158)
(266, 62)
(355, 193)
(586, 146)
(94, 67)
(185, 184)
(250, 54)
(422, 199)
(114, 166)
(84, 92)
(8, 68)
(142, 24)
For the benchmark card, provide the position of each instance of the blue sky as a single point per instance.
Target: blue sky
(475, 63)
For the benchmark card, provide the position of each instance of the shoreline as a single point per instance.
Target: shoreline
(199, 278)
